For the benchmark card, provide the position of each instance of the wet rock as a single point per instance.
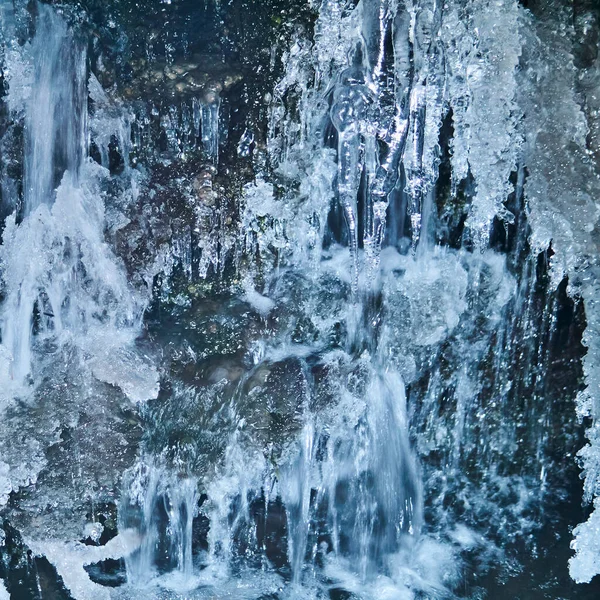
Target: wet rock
(205, 77)
(274, 402)
(203, 186)
(109, 573)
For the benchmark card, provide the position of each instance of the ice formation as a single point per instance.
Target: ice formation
(327, 354)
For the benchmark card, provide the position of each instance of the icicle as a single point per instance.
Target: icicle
(196, 111)
(170, 124)
(348, 113)
(390, 127)
(209, 118)
(413, 160)
(380, 188)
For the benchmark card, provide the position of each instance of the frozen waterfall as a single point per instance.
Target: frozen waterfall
(298, 299)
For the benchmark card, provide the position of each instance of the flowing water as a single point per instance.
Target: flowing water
(298, 299)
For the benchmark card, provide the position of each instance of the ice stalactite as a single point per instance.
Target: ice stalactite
(209, 119)
(348, 114)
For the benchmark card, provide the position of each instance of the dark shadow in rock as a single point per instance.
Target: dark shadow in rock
(110, 573)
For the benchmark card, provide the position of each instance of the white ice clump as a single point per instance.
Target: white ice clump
(125, 367)
(5, 485)
(70, 558)
(4, 595)
(23, 471)
(260, 303)
(483, 47)
(586, 563)
(290, 228)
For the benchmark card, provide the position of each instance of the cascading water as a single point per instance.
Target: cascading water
(55, 144)
(293, 299)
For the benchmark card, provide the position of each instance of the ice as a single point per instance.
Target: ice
(561, 189)
(374, 392)
(260, 303)
(70, 558)
(5, 485)
(483, 55)
(434, 289)
(57, 261)
(4, 595)
(109, 121)
(586, 563)
(349, 111)
(209, 124)
(126, 368)
(67, 303)
(244, 147)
